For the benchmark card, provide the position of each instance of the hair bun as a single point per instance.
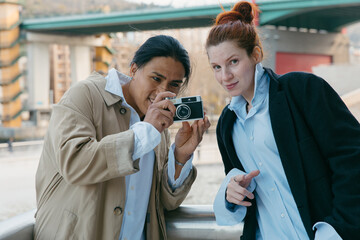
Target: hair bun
(243, 11)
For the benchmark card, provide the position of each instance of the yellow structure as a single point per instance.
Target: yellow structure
(10, 89)
(103, 55)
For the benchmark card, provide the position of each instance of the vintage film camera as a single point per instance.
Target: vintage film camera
(188, 108)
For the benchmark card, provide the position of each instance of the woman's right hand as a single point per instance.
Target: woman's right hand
(161, 112)
(236, 190)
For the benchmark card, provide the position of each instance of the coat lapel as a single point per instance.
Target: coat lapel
(229, 120)
(285, 137)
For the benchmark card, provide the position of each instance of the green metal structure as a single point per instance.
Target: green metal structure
(125, 21)
(329, 15)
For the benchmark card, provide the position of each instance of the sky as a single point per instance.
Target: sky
(184, 3)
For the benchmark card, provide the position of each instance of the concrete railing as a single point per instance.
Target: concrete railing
(198, 222)
(18, 227)
(186, 222)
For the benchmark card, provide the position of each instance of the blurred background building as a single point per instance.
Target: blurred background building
(60, 71)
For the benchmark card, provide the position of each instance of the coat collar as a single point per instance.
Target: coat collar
(100, 82)
(226, 134)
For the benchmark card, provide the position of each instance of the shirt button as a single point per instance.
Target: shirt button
(282, 215)
(125, 239)
(260, 164)
(132, 187)
(117, 211)
(129, 213)
(272, 189)
(122, 111)
(251, 138)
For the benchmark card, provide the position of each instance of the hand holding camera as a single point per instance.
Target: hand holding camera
(187, 139)
(189, 136)
(166, 109)
(161, 112)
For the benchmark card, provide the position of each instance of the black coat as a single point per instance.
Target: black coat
(319, 145)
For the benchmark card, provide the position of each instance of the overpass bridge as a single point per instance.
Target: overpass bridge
(325, 16)
(329, 15)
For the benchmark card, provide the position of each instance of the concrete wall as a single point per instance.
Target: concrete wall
(275, 40)
(344, 78)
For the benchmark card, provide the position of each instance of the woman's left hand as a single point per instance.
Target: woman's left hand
(188, 138)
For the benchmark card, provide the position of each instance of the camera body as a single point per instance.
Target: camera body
(188, 108)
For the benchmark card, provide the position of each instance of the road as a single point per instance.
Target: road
(18, 168)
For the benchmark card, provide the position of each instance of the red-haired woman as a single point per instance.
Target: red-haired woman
(290, 146)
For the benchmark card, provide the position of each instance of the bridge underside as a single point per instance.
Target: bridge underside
(159, 19)
(328, 15)
(130, 27)
(331, 19)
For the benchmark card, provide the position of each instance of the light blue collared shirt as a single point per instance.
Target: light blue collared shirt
(138, 185)
(277, 213)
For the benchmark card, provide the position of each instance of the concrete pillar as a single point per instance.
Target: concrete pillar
(80, 57)
(38, 76)
(80, 54)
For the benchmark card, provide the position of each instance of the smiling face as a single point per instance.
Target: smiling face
(233, 68)
(158, 75)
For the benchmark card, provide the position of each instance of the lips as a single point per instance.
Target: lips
(230, 86)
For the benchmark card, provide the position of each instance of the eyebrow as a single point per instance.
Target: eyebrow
(177, 81)
(230, 57)
(162, 76)
(212, 63)
(159, 75)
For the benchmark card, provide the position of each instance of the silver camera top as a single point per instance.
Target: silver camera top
(188, 108)
(169, 98)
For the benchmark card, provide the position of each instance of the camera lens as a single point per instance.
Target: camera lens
(183, 111)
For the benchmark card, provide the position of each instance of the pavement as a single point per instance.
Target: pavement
(18, 168)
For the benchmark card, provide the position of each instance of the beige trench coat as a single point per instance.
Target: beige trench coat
(80, 181)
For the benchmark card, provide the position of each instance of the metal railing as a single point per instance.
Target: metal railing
(185, 223)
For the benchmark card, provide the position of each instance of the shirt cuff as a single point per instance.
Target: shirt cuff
(147, 137)
(227, 214)
(325, 231)
(171, 169)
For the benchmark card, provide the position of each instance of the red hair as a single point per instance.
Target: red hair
(236, 25)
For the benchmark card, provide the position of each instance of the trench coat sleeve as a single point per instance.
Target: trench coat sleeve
(337, 135)
(80, 157)
(169, 198)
